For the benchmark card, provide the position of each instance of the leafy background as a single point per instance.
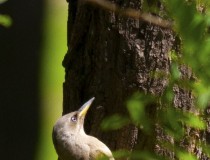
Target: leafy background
(192, 21)
(51, 74)
(31, 101)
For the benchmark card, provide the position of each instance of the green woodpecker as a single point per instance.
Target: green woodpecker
(72, 143)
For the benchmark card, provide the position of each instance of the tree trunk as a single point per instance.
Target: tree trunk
(111, 57)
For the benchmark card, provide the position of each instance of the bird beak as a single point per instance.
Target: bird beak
(83, 110)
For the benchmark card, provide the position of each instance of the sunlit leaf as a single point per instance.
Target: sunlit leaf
(175, 71)
(194, 121)
(203, 94)
(173, 56)
(183, 155)
(5, 20)
(206, 149)
(2, 1)
(136, 110)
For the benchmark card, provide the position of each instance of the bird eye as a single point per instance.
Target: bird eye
(74, 118)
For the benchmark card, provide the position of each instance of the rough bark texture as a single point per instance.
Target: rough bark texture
(110, 57)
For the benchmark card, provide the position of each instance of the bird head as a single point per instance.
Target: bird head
(73, 122)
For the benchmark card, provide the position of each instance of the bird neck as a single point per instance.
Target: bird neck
(81, 130)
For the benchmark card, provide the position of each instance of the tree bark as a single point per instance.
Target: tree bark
(111, 57)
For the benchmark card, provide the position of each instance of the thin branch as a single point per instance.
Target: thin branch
(132, 13)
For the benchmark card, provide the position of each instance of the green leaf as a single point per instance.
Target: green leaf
(194, 121)
(121, 154)
(183, 155)
(171, 121)
(114, 122)
(5, 20)
(136, 110)
(145, 155)
(2, 1)
(202, 92)
(102, 157)
(175, 71)
(206, 149)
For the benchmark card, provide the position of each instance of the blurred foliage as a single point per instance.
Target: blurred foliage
(182, 155)
(192, 25)
(51, 74)
(2, 1)
(114, 122)
(5, 20)
(136, 106)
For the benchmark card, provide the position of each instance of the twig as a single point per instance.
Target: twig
(132, 13)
